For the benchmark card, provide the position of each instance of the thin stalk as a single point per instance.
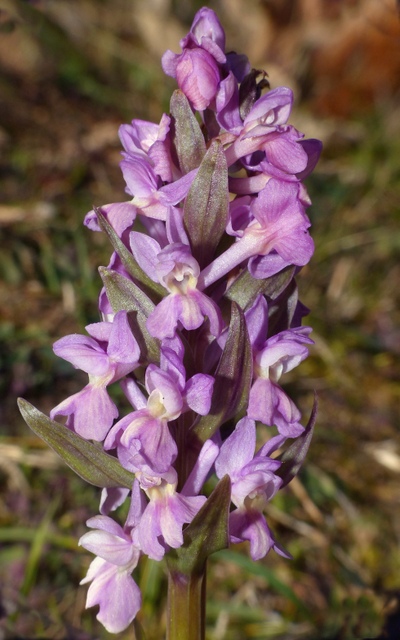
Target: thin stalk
(186, 605)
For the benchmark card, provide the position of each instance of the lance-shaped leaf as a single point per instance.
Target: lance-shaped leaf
(124, 295)
(188, 139)
(205, 212)
(245, 288)
(294, 456)
(232, 379)
(206, 534)
(88, 460)
(127, 258)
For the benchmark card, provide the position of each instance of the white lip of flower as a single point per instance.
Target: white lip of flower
(155, 405)
(269, 118)
(161, 491)
(256, 500)
(181, 279)
(276, 371)
(140, 202)
(272, 373)
(101, 381)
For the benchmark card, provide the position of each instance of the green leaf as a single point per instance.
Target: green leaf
(88, 460)
(245, 288)
(232, 379)
(294, 456)
(206, 206)
(37, 548)
(206, 534)
(188, 139)
(125, 295)
(127, 258)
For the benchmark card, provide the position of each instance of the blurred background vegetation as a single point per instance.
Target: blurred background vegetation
(71, 71)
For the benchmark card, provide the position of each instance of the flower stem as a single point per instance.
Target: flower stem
(186, 605)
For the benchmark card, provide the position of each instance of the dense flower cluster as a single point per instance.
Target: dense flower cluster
(200, 316)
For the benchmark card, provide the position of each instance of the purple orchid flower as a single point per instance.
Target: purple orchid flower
(108, 354)
(206, 32)
(121, 216)
(198, 76)
(240, 217)
(208, 76)
(142, 438)
(279, 224)
(151, 142)
(175, 268)
(160, 526)
(263, 141)
(198, 68)
(150, 196)
(254, 483)
(281, 353)
(270, 112)
(112, 586)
